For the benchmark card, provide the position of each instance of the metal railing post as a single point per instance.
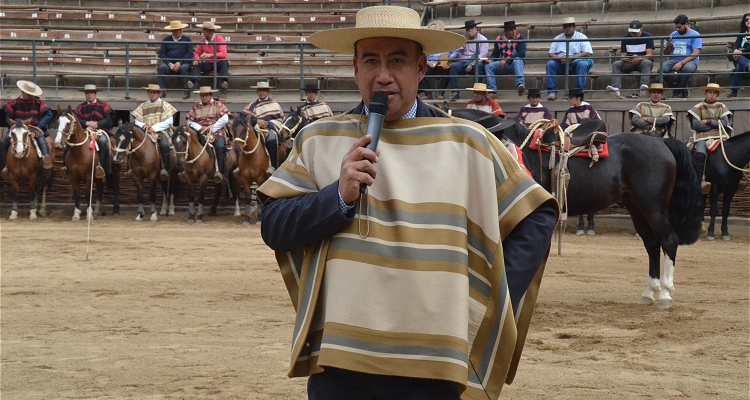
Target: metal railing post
(661, 61)
(127, 70)
(567, 64)
(33, 59)
(215, 67)
(301, 69)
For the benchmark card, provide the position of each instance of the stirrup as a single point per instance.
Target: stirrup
(271, 170)
(4, 173)
(163, 175)
(99, 172)
(182, 176)
(218, 178)
(47, 162)
(705, 187)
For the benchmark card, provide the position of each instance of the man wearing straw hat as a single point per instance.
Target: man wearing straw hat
(577, 58)
(482, 102)
(95, 115)
(211, 116)
(176, 55)
(203, 58)
(707, 121)
(156, 117)
(267, 117)
(27, 106)
(401, 291)
(313, 109)
(653, 115)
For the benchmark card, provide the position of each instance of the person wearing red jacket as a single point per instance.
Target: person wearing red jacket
(204, 57)
(482, 102)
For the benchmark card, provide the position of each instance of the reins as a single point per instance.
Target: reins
(26, 142)
(209, 136)
(244, 141)
(722, 135)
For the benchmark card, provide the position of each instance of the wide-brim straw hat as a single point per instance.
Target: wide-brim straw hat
(656, 86)
(89, 88)
(569, 20)
(713, 86)
(479, 87)
(175, 25)
(436, 25)
(152, 87)
(387, 21)
(29, 88)
(209, 25)
(262, 85)
(205, 90)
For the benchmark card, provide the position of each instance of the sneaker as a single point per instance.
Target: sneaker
(614, 89)
(191, 84)
(186, 95)
(644, 90)
(225, 85)
(441, 96)
(732, 93)
(4, 173)
(99, 172)
(552, 97)
(454, 97)
(521, 89)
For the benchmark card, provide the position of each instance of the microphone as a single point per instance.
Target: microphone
(378, 108)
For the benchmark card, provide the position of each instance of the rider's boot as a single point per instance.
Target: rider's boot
(99, 173)
(221, 160)
(164, 174)
(46, 160)
(273, 153)
(700, 165)
(3, 155)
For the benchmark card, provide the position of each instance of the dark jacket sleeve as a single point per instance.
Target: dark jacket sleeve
(163, 52)
(301, 221)
(495, 52)
(521, 49)
(525, 248)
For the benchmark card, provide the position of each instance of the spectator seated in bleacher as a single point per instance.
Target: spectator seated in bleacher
(203, 58)
(579, 110)
(437, 64)
(533, 111)
(507, 57)
(469, 56)
(578, 58)
(635, 55)
(313, 109)
(269, 118)
(684, 53)
(95, 115)
(741, 56)
(482, 102)
(175, 57)
(653, 115)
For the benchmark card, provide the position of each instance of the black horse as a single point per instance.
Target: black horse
(725, 179)
(294, 123)
(654, 179)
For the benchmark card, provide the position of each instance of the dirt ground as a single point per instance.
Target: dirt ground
(168, 310)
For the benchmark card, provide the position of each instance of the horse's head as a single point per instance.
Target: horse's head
(123, 137)
(240, 130)
(67, 126)
(294, 122)
(180, 140)
(20, 138)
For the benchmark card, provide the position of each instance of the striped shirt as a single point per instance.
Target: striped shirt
(487, 105)
(315, 110)
(575, 114)
(528, 114)
(33, 108)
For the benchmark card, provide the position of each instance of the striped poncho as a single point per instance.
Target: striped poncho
(415, 286)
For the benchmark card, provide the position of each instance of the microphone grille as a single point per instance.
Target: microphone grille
(379, 103)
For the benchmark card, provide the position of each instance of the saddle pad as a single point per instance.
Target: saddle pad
(604, 152)
(712, 145)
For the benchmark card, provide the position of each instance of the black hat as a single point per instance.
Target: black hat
(311, 87)
(509, 25)
(635, 26)
(534, 92)
(575, 92)
(470, 23)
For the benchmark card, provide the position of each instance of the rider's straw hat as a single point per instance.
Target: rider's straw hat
(205, 90)
(262, 85)
(152, 87)
(209, 25)
(656, 86)
(89, 88)
(713, 86)
(479, 87)
(29, 88)
(387, 21)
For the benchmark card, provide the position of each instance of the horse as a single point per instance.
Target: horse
(198, 165)
(294, 122)
(654, 179)
(79, 159)
(724, 169)
(144, 160)
(25, 163)
(252, 163)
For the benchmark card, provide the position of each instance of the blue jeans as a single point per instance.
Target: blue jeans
(740, 66)
(341, 384)
(514, 66)
(459, 68)
(580, 68)
(682, 80)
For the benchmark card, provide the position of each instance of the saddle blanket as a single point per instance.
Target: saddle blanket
(603, 151)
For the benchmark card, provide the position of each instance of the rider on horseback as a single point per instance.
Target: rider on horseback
(313, 109)
(705, 118)
(27, 106)
(211, 115)
(267, 118)
(94, 114)
(533, 111)
(652, 115)
(155, 117)
(579, 110)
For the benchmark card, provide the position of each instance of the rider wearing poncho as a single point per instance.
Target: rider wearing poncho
(269, 118)
(533, 111)
(156, 117)
(313, 109)
(94, 114)
(211, 115)
(579, 110)
(653, 114)
(705, 118)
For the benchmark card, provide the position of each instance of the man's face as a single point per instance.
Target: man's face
(682, 29)
(263, 93)
(26, 96)
(208, 33)
(206, 98)
(711, 96)
(569, 29)
(177, 33)
(90, 96)
(311, 95)
(479, 96)
(471, 32)
(392, 66)
(534, 100)
(637, 34)
(153, 95)
(656, 96)
(510, 33)
(574, 101)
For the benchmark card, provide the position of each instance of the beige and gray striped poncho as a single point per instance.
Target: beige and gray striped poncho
(424, 294)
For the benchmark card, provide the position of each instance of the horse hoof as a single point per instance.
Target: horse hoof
(198, 221)
(13, 215)
(237, 214)
(42, 212)
(115, 214)
(171, 212)
(153, 217)
(726, 237)
(163, 212)
(646, 301)
(664, 304)
(580, 232)
(138, 217)
(591, 232)
(710, 237)
(32, 215)
(75, 219)
(211, 213)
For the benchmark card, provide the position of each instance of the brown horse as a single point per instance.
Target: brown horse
(25, 163)
(79, 160)
(144, 161)
(253, 159)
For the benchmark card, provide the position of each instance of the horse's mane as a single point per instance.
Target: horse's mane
(240, 120)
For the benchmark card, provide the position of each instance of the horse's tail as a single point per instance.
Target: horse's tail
(686, 204)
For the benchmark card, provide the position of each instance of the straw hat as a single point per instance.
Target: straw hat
(262, 85)
(436, 25)
(479, 87)
(209, 25)
(387, 21)
(152, 87)
(89, 88)
(656, 86)
(175, 25)
(713, 86)
(569, 20)
(29, 88)
(205, 90)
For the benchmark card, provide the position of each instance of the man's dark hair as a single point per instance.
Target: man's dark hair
(681, 19)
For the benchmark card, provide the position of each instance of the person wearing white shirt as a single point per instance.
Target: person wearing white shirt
(577, 58)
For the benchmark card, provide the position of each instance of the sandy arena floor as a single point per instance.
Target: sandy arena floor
(161, 312)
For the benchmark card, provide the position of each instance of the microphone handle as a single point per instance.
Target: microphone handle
(373, 128)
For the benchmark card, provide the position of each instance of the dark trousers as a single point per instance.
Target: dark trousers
(341, 384)
(163, 72)
(424, 84)
(222, 69)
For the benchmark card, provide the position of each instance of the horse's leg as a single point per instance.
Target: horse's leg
(164, 197)
(87, 197)
(116, 187)
(14, 210)
(579, 228)
(174, 187)
(591, 231)
(139, 191)
(152, 198)
(201, 198)
(728, 195)
(32, 195)
(246, 189)
(218, 188)
(99, 196)
(191, 204)
(76, 199)
(713, 197)
(43, 206)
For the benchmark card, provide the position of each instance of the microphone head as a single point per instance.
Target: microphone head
(379, 103)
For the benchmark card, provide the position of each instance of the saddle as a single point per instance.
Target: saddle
(587, 139)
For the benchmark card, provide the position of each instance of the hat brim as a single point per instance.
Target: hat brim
(342, 40)
(479, 90)
(716, 89)
(213, 28)
(37, 92)
(171, 28)
(89, 90)
(633, 30)
(199, 92)
(262, 87)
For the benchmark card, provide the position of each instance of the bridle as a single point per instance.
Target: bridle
(243, 122)
(26, 142)
(74, 121)
(293, 128)
(186, 133)
(129, 149)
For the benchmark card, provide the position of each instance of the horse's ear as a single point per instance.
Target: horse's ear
(12, 121)
(27, 121)
(59, 110)
(70, 109)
